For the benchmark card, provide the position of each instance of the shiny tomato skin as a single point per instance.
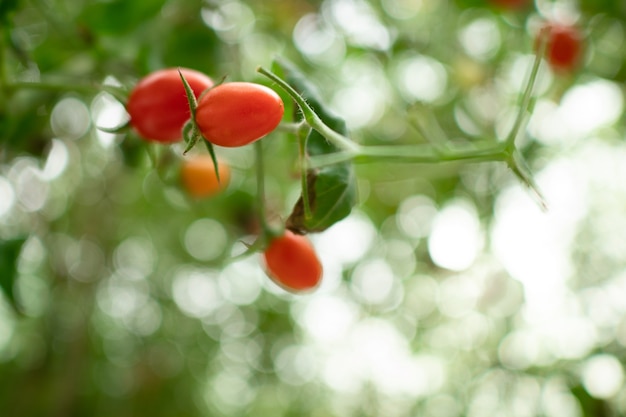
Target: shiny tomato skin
(197, 174)
(158, 105)
(564, 47)
(238, 113)
(291, 262)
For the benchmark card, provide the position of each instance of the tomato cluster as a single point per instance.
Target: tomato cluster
(230, 115)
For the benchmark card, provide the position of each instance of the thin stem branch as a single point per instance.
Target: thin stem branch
(288, 127)
(528, 92)
(329, 159)
(310, 116)
(413, 154)
(260, 182)
(303, 134)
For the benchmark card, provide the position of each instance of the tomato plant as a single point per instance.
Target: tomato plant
(564, 47)
(292, 263)
(199, 179)
(238, 113)
(158, 105)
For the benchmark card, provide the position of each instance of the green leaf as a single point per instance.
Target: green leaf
(332, 194)
(9, 252)
(6, 7)
(331, 190)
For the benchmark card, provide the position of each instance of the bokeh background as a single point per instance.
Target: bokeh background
(448, 292)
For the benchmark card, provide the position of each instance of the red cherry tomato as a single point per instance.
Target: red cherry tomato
(564, 47)
(238, 113)
(158, 105)
(198, 177)
(292, 263)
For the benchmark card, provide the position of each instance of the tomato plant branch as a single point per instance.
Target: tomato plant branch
(303, 134)
(413, 154)
(267, 231)
(310, 116)
(526, 100)
(417, 153)
(288, 127)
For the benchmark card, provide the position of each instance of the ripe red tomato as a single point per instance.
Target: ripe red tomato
(564, 47)
(292, 263)
(238, 113)
(197, 174)
(158, 105)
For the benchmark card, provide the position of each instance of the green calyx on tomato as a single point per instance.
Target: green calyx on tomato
(158, 106)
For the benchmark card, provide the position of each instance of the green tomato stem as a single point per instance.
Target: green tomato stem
(153, 152)
(303, 134)
(266, 231)
(527, 96)
(309, 114)
(414, 154)
(289, 127)
(211, 149)
(329, 159)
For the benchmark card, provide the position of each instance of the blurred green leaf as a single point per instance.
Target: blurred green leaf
(609, 7)
(9, 252)
(119, 16)
(24, 123)
(194, 46)
(6, 7)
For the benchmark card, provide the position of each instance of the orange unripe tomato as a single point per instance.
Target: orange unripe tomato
(158, 105)
(198, 176)
(292, 263)
(238, 113)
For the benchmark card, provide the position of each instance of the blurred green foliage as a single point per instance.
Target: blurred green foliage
(131, 306)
